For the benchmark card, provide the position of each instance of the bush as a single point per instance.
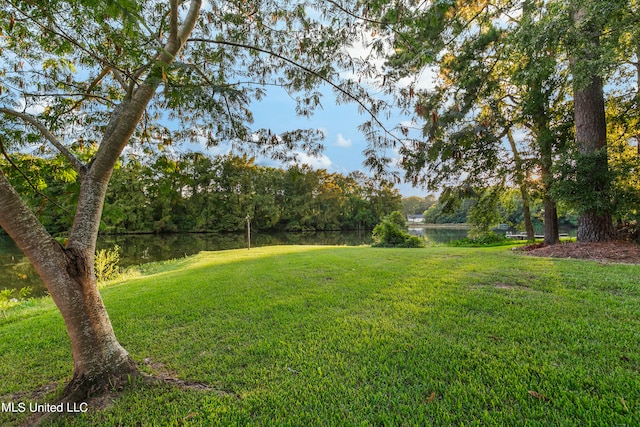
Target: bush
(106, 264)
(391, 232)
(12, 297)
(487, 239)
(398, 219)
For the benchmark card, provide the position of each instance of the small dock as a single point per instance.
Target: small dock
(523, 236)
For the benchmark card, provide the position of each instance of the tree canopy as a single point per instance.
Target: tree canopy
(533, 70)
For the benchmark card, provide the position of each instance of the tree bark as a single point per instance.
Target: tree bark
(551, 231)
(594, 225)
(591, 136)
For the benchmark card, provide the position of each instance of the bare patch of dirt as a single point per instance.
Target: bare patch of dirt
(35, 395)
(612, 252)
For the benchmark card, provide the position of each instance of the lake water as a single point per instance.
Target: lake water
(16, 271)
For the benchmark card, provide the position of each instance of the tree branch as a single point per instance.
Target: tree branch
(87, 93)
(120, 79)
(173, 22)
(54, 28)
(307, 70)
(126, 116)
(75, 162)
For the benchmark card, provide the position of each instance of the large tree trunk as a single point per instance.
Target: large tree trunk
(99, 360)
(591, 137)
(594, 225)
(551, 231)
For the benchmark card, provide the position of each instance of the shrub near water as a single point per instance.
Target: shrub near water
(487, 239)
(392, 232)
(106, 264)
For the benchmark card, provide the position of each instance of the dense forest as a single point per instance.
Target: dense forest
(193, 192)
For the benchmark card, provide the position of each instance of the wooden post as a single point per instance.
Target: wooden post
(248, 218)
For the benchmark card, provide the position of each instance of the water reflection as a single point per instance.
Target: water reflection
(16, 271)
(439, 234)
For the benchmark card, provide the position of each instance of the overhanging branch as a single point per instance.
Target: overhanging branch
(27, 118)
(87, 94)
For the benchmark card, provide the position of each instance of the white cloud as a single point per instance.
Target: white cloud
(341, 141)
(316, 162)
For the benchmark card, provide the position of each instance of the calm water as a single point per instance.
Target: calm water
(16, 271)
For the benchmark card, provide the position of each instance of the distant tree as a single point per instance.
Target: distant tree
(452, 207)
(415, 205)
(485, 214)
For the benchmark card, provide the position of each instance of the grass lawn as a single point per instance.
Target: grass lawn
(336, 336)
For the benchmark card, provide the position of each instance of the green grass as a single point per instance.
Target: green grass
(359, 336)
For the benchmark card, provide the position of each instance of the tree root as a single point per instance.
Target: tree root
(98, 393)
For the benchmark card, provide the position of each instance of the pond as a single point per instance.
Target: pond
(16, 272)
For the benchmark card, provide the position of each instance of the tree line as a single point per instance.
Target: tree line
(194, 192)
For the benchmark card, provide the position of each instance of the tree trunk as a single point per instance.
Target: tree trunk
(594, 225)
(591, 136)
(100, 362)
(526, 213)
(551, 229)
(524, 188)
(551, 232)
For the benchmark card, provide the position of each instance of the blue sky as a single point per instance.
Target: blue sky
(343, 143)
